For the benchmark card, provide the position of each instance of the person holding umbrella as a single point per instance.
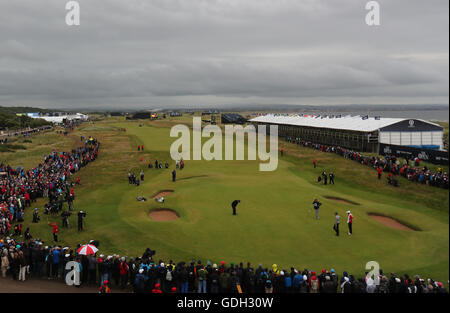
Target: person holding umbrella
(87, 250)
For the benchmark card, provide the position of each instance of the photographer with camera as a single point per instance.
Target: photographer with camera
(81, 216)
(148, 254)
(36, 217)
(65, 219)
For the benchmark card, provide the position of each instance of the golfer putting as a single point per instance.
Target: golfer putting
(234, 205)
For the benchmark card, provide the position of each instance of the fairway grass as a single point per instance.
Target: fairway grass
(275, 221)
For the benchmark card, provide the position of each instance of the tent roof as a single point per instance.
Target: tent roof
(353, 123)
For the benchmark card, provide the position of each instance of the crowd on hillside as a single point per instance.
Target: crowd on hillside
(51, 179)
(143, 275)
(410, 169)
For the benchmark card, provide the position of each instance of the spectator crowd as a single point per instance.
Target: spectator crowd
(51, 179)
(409, 169)
(145, 275)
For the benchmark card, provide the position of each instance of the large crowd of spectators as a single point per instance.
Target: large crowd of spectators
(51, 179)
(409, 169)
(145, 275)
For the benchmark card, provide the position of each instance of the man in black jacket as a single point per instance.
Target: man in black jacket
(234, 204)
(250, 280)
(234, 282)
(328, 285)
(191, 276)
(331, 178)
(65, 219)
(81, 216)
(316, 205)
(36, 217)
(174, 175)
(183, 279)
(214, 280)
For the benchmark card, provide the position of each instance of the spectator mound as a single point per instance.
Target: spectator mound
(391, 222)
(341, 200)
(163, 215)
(162, 193)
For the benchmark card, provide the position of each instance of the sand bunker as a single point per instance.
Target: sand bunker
(163, 215)
(162, 193)
(390, 222)
(341, 200)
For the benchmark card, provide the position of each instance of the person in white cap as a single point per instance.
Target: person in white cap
(139, 282)
(346, 285)
(81, 216)
(123, 271)
(349, 222)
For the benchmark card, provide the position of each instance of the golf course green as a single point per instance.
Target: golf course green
(275, 221)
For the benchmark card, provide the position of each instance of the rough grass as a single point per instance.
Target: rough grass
(11, 147)
(34, 151)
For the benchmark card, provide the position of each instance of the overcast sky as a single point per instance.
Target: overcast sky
(165, 53)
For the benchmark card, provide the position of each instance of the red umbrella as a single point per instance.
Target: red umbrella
(87, 250)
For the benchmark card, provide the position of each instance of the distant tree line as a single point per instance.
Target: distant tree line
(9, 119)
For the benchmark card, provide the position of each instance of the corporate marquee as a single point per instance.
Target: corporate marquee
(362, 133)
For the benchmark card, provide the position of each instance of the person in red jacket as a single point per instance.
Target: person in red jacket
(27, 199)
(157, 289)
(380, 171)
(349, 222)
(55, 231)
(315, 163)
(314, 283)
(123, 271)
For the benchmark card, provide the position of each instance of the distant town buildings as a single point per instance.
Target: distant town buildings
(58, 118)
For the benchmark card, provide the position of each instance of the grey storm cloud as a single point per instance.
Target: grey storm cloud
(139, 53)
